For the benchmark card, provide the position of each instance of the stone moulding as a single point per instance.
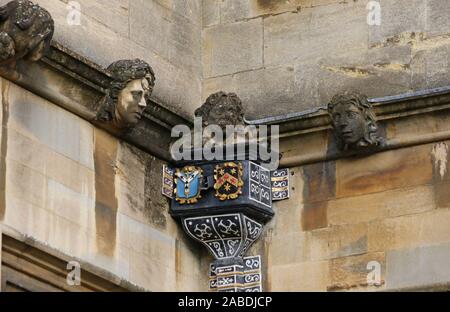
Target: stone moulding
(315, 125)
(77, 85)
(18, 243)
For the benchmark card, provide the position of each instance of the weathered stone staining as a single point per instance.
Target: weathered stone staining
(354, 122)
(26, 30)
(129, 93)
(221, 109)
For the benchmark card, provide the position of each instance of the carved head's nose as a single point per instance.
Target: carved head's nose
(143, 103)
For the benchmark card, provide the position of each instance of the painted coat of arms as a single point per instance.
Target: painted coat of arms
(188, 184)
(228, 180)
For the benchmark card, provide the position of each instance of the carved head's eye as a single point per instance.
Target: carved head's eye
(352, 115)
(137, 95)
(336, 117)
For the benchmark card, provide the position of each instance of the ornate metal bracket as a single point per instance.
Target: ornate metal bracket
(227, 218)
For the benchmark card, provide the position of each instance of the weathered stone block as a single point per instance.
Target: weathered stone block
(66, 203)
(118, 265)
(28, 219)
(438, 22)
(170, 36)
(137, 236)
(384, 171)
(270, 87)
(315, 143)
(67, 237)
(184, 45)
(224, 53)
(189, 9)
(410, 231)
(397, 17)
(318, 83)
(351, 273)
(130, 182)
(347, 240)
(431, 63)
(382, 205)
(314, 216)
(25, 183)
(54, 127)
(234, 10)
(113, 13)
(155, 275)
(71, 174)
(442, 195)
(320, 182)
(210, 12)
(305, 276)
(290, 248)
(419, 267)
(311, 34)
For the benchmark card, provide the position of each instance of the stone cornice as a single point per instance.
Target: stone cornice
(314, 141)
(27, 244)
(389, 107)
(77, 84)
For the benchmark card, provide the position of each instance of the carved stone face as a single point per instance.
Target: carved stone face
(349, 122)
(221, 115)
(354, 122)
(221, 109)
(131, 101)
(26, 30)
(129, 93)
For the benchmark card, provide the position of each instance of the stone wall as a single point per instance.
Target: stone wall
(391, 208)
(284, 56)
(82, 192)
(165, 33)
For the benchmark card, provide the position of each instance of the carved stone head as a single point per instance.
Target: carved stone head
(129, 93)
(353, 121)
(26, 30)
(221, 109)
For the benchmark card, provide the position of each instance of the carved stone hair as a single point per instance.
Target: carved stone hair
(360, 101)
(123, 72)
(232, 103)
(23, 15)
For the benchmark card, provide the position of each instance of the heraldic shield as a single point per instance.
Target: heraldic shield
(228, 180)
(188, 184)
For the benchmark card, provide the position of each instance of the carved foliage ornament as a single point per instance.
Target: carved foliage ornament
(26, 30)
(354, 122)
(221, 109)
(129, 93)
